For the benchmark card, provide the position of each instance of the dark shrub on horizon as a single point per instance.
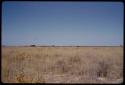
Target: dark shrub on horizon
(32, 45)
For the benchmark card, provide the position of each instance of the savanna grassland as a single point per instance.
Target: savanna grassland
(62, 65)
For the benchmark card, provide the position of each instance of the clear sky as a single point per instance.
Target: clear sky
(62, 23)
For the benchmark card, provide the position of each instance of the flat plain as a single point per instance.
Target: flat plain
(62, 64)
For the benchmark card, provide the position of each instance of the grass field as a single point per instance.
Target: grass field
(62, 64)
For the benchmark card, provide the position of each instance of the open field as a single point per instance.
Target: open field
(62, 64)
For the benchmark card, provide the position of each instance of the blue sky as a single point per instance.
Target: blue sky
(62, 23)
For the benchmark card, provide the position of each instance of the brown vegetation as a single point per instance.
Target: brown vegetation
(62, 64)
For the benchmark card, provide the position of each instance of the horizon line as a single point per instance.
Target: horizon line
(65, 45)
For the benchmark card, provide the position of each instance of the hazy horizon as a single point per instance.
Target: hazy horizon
(62, 23)
(64, 45)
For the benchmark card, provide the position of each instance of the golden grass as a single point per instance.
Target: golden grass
(62, 64)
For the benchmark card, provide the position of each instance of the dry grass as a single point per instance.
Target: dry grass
(62, 64)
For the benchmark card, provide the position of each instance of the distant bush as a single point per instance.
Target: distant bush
(32, 45)
(53, 45)
(77, 46)
(120, 45)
